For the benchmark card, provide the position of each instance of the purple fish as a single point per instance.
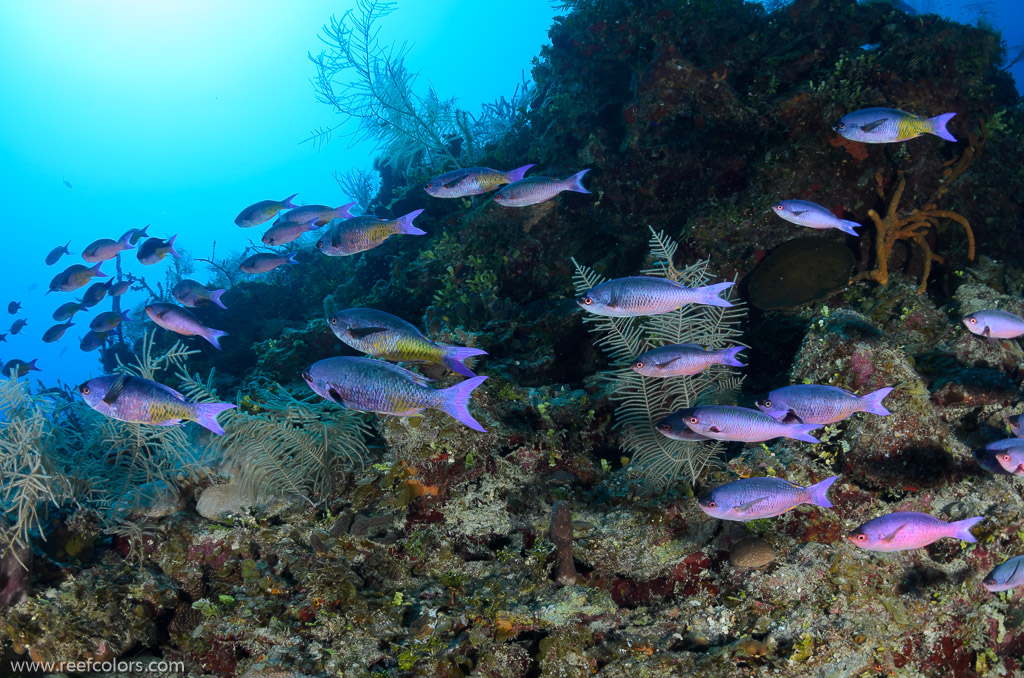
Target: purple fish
(754, 498)
(75, 277)
(92, 340)
(905, 530)
(105, 322)
(371, 385)
(263, 211)
(96, 293)
(1009, 457)
(181, 321)
(1005, 576)
(56, 253)
(352, 236)
(994, 324)
(821, 404)
(192, 294)
(135, 234)
(885, 125)
(56, 332)
(643, 295)
(67, 311)
(141, 401)
(676, 360)
(472, 181)
(19, 368)
(727, 422)
(106, 249)
(986, 459)
(1014, 423)
(318, 214)
(153, 250)
(813, 215)
(117, 289)
(533, 190)
(18, 325)
(286, 232)
(264, 263)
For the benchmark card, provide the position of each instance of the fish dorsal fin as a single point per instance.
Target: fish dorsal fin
(743, 508)
(364, 332)
(696, 346)
(872, 126)
(115, 390)
(415, 376)
(892, 535)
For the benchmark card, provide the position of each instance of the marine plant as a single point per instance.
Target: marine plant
(642, 401)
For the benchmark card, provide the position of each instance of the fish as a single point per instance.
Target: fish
(344, 238)
(190, 293)
(994, 324)
(534, 190)
(263, 263)
(66, 311)
(369, 385)
(905, 530)
(92, 340)
(986, 459)
(107, 321)
(386, 336)
(141, 401)
(135, 234)
(95, 294)
(75, 277)
(472, 181)
(645, 295)
(117, 289)
(1005, 576)
(263, 211)
(182, 321)
(813, 215)
(1008, 454)
(3, 336)
(728, 422)
(19, 368)
(153, 250)
(821, 404)
(318, 214)
(106, 249)
(13, 307)
(676, 360)
(1015, 424)
(67, 184)
(18, 325)
(56, 253)
(56, 332)
(763, 497)
(286, 232)
(886, 125)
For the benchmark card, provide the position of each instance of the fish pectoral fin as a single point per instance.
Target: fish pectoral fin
(115, 389)
(872, 126)
(334, 396)
(363, 332)
(743, 508)
(892, 535)
(715, 429)
(665, 364)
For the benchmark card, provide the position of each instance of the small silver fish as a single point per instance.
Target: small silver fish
(286, 232)
(263, 211)
(56, 332)
(152, 250)
(813, 215)
(683, 360)
(727, 422)
(318, 214)
(534, 190)
(183, 322)
(643, 295)
(263, 263)
(820, 403)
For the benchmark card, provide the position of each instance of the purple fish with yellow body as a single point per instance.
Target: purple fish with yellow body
(119, 288)
(472, 181)
(67, 311)
(370, 385)
(141, 401)
(676, 360)
(813, 215)
(264, 263)
(821, 404)
(286, 232)
(56, 332)
(316, 214)
(152, 250)
(755, 498)
(96, 293)
(135, 234)
(905, 530)
(263, 211)
(351, 236)
(91, 341)
(728, 422)
(181, 321)
(645, 295)
(887, 125)
(533, 190)
(75, 277)
(56, 253)
(107, 321)
(106, 249)
(389, 337)
(1005, 576)
(994, 324)
(19, 368)
(194, 295)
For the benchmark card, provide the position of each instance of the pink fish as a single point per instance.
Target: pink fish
(318, 214)
(813, 215)
(533, 190)
(821, 404)
(262, 263)
(646, 295)
(994, 324)
(727, 422)
(183, 322)
(105, 249)
(905, 530)
(762, 497)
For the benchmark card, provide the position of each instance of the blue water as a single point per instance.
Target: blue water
(179, 114)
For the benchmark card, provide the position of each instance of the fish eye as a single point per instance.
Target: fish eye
(1005, 457)
(84, 389)
(693, 420)
(767, 404)
(639, 364)
(974, 321)
(319, 245)
(712, 504)
(334, 321)
(840, 125)
(665, 427)
(778, 207)
(862, 537)
(588, 301)
(307, 376)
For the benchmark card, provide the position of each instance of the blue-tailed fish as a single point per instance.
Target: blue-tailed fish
(821, 404)
(754, 498)
(264, 263)
(813, 215)
(1005, 576)
(19, 368)
(727, 422)
(152, 250)
(75, 277)
(906, 530)
(108, 320)
(472, 181)
(263, 211)
(91, 341)
(643, 295)
(994, 324)
(194, 295)
(56, 332)
(181, 321)
(351, 236)
(105, 249)
(56, 253)
(141, 401)
(135, 234)
(885, 125)
(383, 335)
(683, 360)
(370, 385)
(317, 214)
(533, 190)
(286, 232)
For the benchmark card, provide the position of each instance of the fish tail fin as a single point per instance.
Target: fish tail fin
(515, 175)
(710, 295)
(818, 493)
(170, 246)
(206, 415)
(728, 356)
(287, 203)
(344, 212)
(405, 226)
(291, 258)
(455, 402)
(215, 295)
(124, 317)
(66, 250)
(575, 182)
(126, 241)
(850, 227)
(213, 336)
(802, 432)
(939, 123)
(97, 273)
(32, 365)
(454, 355)
(872, 402)
(961, 529)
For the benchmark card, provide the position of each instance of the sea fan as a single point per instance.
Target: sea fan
(642, 401)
